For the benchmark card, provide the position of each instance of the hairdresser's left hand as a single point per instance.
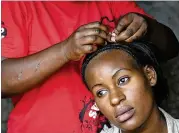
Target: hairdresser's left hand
(129, 28)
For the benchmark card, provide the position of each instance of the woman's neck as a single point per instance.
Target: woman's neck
(156, 123)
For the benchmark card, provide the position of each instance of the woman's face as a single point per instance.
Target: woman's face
(122, 90)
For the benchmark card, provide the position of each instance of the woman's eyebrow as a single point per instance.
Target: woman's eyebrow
(119, 70)
(116, 72)
(95, 86)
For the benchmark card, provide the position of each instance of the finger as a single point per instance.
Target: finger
(109, 37)
(92, 31)
(99, 41)
(130, 31)
(92, 39)
(90, 25)
(88, 48)
(94, 25)
(104, 28)
(141, 32)
(123, 23)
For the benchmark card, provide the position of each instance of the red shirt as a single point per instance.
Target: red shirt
(61, 104)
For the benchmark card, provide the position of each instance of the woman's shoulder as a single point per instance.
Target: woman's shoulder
(172, 123)
(112, 129)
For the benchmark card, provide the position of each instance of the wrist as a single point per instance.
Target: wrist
(65, 51)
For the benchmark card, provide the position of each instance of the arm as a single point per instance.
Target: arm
(21, 71)
(22, 74)
(135, 24)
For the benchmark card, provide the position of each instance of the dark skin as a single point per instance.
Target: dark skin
(116, 83)
(134, 26)
(22, 74)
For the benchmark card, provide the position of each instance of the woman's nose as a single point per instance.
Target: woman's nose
(116, 97)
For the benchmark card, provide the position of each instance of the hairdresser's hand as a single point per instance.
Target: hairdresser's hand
(129, 28)
(84, 40)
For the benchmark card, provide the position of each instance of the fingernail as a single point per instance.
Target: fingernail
(90, 48)
(113, 39)
(113, 34)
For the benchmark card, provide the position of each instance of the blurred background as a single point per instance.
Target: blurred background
(166, 12)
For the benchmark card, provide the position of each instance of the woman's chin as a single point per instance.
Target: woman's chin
(129, 125)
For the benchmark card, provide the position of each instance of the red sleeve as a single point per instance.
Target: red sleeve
(121, 8)
(14, 36)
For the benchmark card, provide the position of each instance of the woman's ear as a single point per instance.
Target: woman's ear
(151, 75)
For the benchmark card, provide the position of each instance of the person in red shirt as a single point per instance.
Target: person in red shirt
(42, 43)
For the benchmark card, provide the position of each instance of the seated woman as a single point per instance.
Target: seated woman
(128, 87)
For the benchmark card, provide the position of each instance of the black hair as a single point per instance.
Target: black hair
(144, 53)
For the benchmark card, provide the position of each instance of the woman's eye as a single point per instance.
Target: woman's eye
(101, 93)
(123, 81)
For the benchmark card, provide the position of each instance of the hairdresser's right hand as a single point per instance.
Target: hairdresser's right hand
(84, 40)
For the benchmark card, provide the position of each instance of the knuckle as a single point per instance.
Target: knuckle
(121, 23)
(105, 28)
(138, 18)
(77, 34)
(93, 38)
(136, 24)
(130, 16)
(129, 32)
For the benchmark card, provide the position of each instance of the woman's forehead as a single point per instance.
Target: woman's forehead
(112, 59)
(113, 56)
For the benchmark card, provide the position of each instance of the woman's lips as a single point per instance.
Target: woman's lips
(124, 113)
